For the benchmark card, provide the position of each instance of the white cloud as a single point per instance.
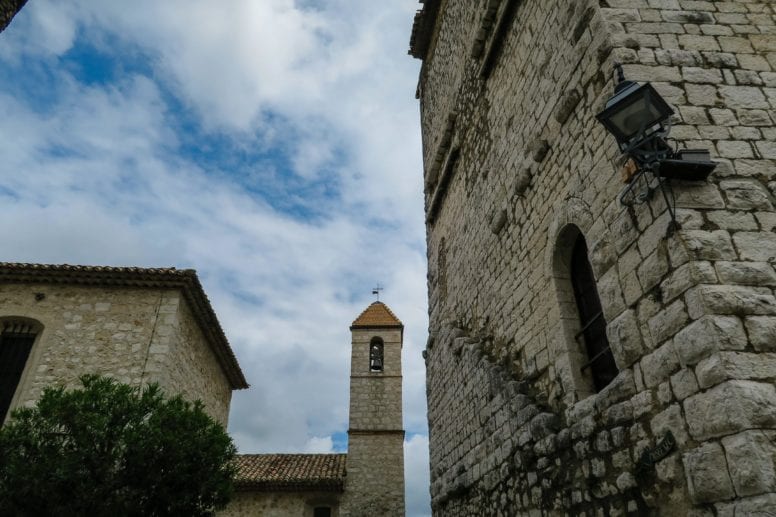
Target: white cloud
(98, 174)
(319, 445)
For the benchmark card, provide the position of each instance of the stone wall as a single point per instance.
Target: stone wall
(375, 466)
(515, 167)
(249, 503)
(133, 335)
(374, 484)
(191, 367)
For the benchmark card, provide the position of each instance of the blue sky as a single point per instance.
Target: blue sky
(271, 145)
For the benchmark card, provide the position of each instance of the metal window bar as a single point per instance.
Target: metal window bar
(579, 334)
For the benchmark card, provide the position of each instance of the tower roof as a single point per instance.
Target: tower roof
(377, 315)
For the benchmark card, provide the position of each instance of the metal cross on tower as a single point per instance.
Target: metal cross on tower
(376, 291)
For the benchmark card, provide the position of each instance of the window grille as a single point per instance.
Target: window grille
(600, 359)
(16, 339)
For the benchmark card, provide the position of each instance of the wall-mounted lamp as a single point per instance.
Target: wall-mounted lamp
(640, 119)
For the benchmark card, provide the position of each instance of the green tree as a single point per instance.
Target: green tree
(109, 449)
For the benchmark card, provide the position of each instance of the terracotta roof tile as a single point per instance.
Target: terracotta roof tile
(184, 279)
(291, 472)
(377, 315)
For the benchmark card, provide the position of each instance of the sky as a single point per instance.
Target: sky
(272, 145)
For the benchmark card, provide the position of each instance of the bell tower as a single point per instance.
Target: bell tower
(375, 464)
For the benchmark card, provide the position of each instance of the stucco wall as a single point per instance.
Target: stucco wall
(134, 335)
(514, 159)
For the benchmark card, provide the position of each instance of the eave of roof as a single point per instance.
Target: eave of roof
(167, 278)
(291, 472)
(423, 28)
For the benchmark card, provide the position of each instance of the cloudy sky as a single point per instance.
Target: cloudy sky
(272, 145)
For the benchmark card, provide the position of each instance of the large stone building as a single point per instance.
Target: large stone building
(588, 357)
(137, 325)
(368, 481)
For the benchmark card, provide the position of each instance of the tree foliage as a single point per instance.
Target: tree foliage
(109, 449)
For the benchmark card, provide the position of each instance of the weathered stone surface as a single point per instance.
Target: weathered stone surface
(750, 458)
(707, 476)
(729, 408)
(625, 339)
(746, 194)
(671, 420)
(724, 299)
(735, 365)
(684, 384)
(746, 273)
(693, 286)
(757, 246)
(686, 276)
(707, 335)
(659, 365)
(705, 245)
(762, 332)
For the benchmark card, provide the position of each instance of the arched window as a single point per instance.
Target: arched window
(593, 325)
(376, 355)
(16, 339)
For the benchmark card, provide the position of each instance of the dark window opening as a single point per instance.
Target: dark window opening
(16, 341)
(322, 511)
(376, 355)
(600, 359)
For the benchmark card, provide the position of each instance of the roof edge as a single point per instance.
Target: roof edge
(186, 280)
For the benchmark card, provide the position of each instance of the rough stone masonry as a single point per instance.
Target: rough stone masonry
(516, 169)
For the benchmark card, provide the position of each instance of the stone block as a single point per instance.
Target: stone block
(747, 97)
(652, 269)
(762, 332)
(746, 194)
(684, 384)
(758, 506)
(746, 273)
(706, 195)
(707, 476)
(708, 245)
(729, 299)
(686, 276)
(707, 335)
(726, 220)
(672, 420)
(757, 246)
(667, 322)
(750, 458)
(659, 365)
(729, 408)
(625, 339)
(735, 365)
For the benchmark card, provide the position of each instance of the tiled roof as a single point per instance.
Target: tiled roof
(291, 472)
(184, 279)
(377, 315)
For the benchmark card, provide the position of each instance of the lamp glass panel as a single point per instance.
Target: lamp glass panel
(633, 117)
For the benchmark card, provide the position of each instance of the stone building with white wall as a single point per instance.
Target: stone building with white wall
(588, 357)
(137, 325)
